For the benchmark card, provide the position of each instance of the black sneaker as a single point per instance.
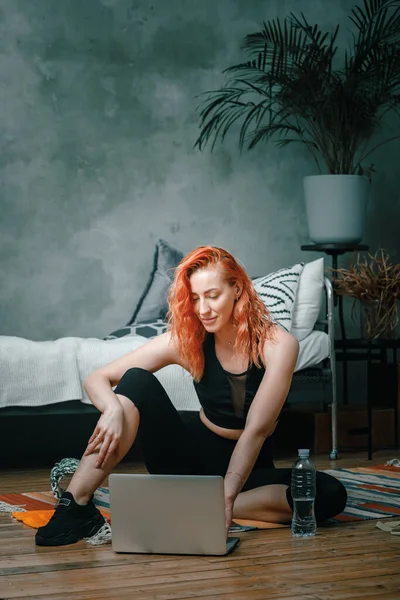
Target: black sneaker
(70, 523)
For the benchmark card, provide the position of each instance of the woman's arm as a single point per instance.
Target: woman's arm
(280, 357)
(152, 356)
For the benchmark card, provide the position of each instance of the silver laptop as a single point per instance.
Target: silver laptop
(169, 514)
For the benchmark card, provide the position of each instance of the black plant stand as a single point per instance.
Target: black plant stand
(335, 250)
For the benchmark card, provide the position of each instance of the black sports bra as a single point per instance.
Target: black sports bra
(226, 397)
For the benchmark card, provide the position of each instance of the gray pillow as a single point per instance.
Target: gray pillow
(152, 304)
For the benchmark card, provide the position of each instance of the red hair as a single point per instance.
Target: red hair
(251, 317)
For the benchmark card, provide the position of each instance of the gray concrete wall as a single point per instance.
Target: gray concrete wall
(98, 124)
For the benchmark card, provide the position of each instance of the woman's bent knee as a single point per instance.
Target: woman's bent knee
(331, 497)
(135, 382)
(128, 406)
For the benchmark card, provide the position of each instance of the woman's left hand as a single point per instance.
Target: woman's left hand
(232, 485)
(228, 514)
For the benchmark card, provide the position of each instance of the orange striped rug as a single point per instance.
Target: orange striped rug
(373, 493)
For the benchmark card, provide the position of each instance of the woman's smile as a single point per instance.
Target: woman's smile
(208, 321)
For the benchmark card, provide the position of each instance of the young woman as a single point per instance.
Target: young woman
(242, 366)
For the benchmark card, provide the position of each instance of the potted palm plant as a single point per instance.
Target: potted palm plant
(293, 89)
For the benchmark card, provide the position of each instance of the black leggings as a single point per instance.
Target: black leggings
(174, 443)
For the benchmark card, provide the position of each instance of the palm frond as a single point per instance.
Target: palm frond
(363, 18)
(378, 27)
(255, 114)
(265, 133)
(219, 107)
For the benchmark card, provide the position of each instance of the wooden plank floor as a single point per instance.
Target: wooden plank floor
(347, 561)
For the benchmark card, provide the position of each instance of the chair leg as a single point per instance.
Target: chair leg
(332, 361)
(334, 451)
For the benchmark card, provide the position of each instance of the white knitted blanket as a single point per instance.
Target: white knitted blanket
(41, 373)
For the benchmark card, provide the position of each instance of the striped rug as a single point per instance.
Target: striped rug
(373, 493)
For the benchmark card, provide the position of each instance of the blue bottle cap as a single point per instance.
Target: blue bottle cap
(304, 452)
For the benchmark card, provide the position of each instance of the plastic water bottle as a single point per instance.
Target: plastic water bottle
(303, 494)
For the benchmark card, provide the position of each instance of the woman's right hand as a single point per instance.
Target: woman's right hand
(107, 434)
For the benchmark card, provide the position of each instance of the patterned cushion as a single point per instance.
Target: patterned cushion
(278, 292)
(148, 330)
(152, 304)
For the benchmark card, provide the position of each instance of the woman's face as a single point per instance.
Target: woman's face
(213, 298)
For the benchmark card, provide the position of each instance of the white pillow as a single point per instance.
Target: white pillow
(308, 300)
(278, 292)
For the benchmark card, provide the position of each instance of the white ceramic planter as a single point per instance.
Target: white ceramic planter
(336, 207)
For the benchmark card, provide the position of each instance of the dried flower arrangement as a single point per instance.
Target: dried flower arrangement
(375, 282)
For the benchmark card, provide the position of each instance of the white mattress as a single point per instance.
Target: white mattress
(42, 373)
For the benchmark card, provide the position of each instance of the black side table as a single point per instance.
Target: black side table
(372, 351)
(335, 250)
